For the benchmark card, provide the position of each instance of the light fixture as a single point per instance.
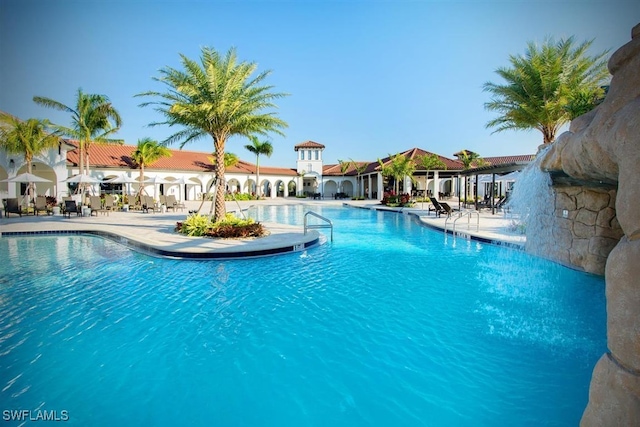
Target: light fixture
(12, 164)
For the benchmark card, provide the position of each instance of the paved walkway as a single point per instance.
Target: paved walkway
(154, 232)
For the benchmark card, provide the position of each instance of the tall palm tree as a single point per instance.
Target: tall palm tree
(257, 148)
(360, 168)
(469, 159)
(93, 119)
(344, 167)
(147, 152)
(30, 138)
(230, 159)
(218, 97)
(430, 162)
(400, 167)
(541, 84)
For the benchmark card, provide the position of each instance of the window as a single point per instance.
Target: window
(317, 154)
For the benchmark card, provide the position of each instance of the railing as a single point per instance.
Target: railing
(460, 215)
(307, 226)
(468, 216)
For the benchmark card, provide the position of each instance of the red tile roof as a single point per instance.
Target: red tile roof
(509, 159)
(413, 154)
(119, 156)
(308, 144)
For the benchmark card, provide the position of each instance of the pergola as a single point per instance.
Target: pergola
(500, 169)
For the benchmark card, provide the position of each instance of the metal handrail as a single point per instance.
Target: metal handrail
(468, 216)
(317, 226)
(448, 218)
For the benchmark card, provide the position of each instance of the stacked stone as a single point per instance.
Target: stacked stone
(604, 145)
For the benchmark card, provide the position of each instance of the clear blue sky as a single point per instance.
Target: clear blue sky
(365, 78)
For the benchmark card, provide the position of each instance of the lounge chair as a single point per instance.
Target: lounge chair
(437, 207)
(503, 200)
(171, 200)
(109, 203)
(148, 203)
(95, 202)
(448, 209)
(164, 200)
(70, 207)
(12, 206)
(41, 206)
(134, 203)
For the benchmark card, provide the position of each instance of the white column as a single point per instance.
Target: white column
(380, 187)
(369, 186)
(436, 185)
(406, 185)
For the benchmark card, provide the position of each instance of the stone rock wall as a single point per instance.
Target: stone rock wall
(603, 146)
(585, 237)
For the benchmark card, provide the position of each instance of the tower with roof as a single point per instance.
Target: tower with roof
(309, 166)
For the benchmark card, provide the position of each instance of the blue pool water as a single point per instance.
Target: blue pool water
(390, 325)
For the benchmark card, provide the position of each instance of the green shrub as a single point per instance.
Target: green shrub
(230, 227)
(239, 196)
(195, 225)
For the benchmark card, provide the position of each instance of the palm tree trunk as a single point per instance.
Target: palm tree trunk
(220, 210)
(548, 135)
(29, 159)
(258, 189)
(141, 189)
(81, 156)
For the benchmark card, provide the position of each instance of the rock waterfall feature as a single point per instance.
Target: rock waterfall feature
(595, 167)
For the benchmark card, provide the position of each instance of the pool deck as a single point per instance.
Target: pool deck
(154, 233)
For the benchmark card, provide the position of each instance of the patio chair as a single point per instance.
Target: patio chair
(500, 204)
(41, 206)
(134, 203)
(437, 207)
(109, 202)
(95, 202)
(162, 199)
(70, 207)
(447, 209)
(12, 205)
(171, 200)
(148, 203)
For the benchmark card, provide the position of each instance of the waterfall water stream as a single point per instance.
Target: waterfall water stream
(530, 203)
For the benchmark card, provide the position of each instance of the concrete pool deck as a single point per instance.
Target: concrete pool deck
(153, 233)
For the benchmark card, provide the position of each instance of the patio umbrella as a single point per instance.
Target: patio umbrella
(179, 182)
(123, 179)
(155, 181)
(82, 180)
(26, 177)
(29, 178)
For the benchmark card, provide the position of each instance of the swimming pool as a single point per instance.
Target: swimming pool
(388, 325)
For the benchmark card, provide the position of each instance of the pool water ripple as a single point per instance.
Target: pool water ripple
(388, 325)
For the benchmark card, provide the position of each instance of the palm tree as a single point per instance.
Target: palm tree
(257, 148)
(230, 159)
(469, 159)
(147, 152)
(344, 167)
(360, 168)
(94, 119)
(541, 84)
(430, 162)
(400, 167)
(29, 138)
(218, 97)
